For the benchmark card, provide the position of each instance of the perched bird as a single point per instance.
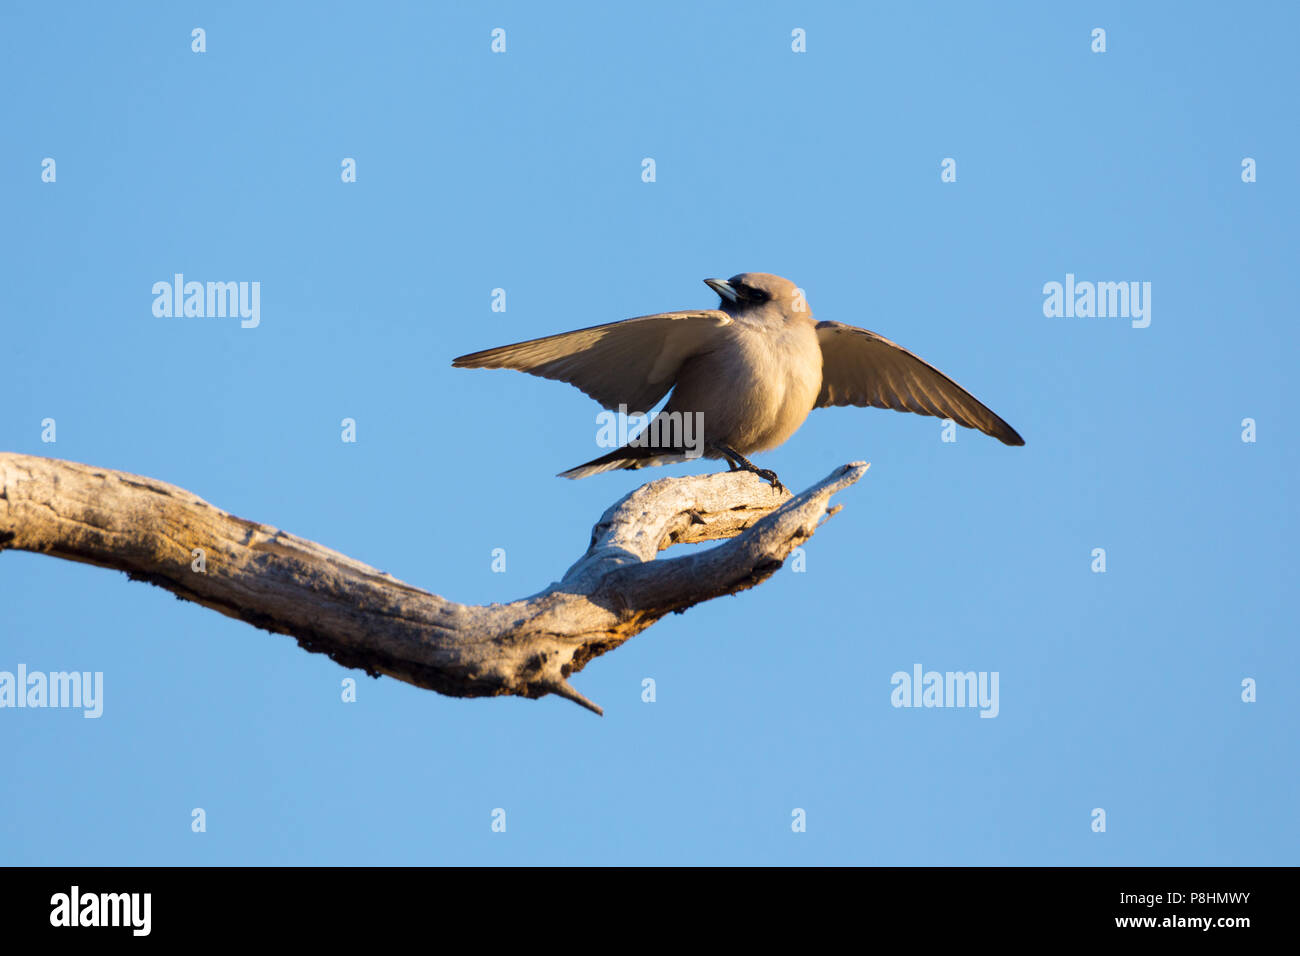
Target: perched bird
(749, 372)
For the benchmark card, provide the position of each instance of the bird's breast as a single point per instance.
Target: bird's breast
(756, 388)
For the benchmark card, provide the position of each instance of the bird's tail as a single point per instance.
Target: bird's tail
(625, 457)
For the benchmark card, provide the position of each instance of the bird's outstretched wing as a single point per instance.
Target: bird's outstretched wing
(863, 368)
(632, 363)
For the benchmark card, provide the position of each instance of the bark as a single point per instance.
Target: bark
(365, 618)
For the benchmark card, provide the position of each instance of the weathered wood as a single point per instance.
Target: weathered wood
(365, 618)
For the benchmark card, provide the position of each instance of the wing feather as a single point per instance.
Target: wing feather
(632, 363)
(862, 368)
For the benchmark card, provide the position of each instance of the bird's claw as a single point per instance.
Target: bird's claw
(769, 475)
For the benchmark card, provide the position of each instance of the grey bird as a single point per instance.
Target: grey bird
(749, 371)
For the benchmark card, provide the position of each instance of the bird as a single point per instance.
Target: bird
(748, 372)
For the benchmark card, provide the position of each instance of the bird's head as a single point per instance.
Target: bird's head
(753, 290)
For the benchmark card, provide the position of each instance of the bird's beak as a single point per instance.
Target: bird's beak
(723, 288)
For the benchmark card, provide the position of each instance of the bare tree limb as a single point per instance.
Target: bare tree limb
(365, 618)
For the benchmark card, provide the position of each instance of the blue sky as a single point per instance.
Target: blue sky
(1118, 690)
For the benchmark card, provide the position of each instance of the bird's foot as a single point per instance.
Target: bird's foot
(768, 475)
(738, 462)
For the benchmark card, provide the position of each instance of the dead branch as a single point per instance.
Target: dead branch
(365, 618)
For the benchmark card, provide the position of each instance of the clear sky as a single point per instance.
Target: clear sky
(522, 170)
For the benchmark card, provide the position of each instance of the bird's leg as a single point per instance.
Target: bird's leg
(727, 454)
(738, 461)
